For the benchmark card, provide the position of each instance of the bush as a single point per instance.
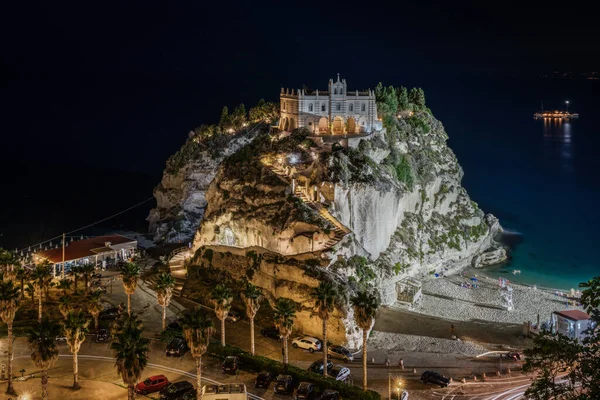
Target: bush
(404, 172)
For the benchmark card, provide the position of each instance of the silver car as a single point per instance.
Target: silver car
(339, 373)
(340, 352)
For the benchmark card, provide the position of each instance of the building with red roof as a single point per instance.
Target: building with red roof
(571, 323)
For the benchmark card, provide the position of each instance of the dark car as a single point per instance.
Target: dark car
(233, 316)
(272, 333)
(331, 395)
(263, 380)
(110, 313)
(340, 352)
(176, 348)
(152, 384)
(512, 356)
(102, 336)
(176, 391)
(317, 367)
(305, 391)
(434, 377)
(284, 384)
(230, 365)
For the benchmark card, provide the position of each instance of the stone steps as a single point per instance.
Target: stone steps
(179, 271)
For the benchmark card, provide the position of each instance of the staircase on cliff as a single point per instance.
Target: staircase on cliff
(340, 230)
(177, 266)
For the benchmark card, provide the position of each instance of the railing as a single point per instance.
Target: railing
(178, 251)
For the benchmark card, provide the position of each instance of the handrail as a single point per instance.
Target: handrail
(178, 250)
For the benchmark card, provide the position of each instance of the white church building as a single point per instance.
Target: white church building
(335, 111)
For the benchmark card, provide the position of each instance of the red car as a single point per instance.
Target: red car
(152, 384)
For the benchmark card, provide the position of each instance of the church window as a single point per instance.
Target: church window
(363, 107)
(351, 107)
(310, 107)
(322, 107)
(338, 106)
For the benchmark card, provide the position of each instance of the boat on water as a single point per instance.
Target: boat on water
(555, 114)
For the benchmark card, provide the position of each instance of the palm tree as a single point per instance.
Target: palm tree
(197, 329)
(252, 296)
(94, 307)
(130, 351)
(365, 305)
(129, 274)
(284, 315)
(221, 297)
(86, 270)
(65, 306)
(22, 275)
(64, 285)
(75, 327)
(44, 353)
(75, 270)
(30, 289)
(325, 296)
(9, 263)
(9, 303)
(41, 281)
(164, 292)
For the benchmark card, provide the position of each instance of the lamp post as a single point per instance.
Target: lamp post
(567, 102)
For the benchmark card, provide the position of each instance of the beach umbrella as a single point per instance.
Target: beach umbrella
(474, 279)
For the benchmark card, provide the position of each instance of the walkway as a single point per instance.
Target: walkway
(178, 269)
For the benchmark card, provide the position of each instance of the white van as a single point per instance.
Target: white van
(232, 391)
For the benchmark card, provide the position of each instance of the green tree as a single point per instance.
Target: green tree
(44, 352)
(238, 117)
(197, 329)
(64, 285)
(130, 272)
(221, 297)
(94, 307)
(252, 296)
(76, 271)
(387, 100)
(9, 304)
(22, 276)
(130, 351)
(284, 316)
(65, 305)
(164, 292)
(404, 172)
(9, 264)
(225, 120)
(365, 305)
(325, 296)
(86, 271)
(75, 326)
(417, 98)
(564, 367)
(41, 277)
(403, 103)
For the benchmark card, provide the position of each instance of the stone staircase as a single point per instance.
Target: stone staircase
(178, 270)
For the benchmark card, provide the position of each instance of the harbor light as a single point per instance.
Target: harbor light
(567, 102)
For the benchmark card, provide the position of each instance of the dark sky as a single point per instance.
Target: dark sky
(120, 84)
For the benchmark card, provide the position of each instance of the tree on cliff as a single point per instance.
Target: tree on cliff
(130, 273)
(284, 316)
(225, 120)
(564, 367)
(44, 353)
(325, 296)
(41, 278)
(221, 297)
(75, 327)
(264, 111)
(9, 304)
(365, 305)
(403, 103)
(164, 292)
(130, 351)
(197, 331)
(417, 98)
(252, 297)
(238, 117)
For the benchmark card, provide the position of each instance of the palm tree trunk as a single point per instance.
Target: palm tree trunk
(285, 350)
(223, 332)
(40, 306)
(75, 282)
(10, 390)
(44, 384)
(75, 371)
(129, 304)
(131, 392)
(22, 288)
(164, 317)
(198, 378)
(324, 347)
(96, 322)
(252, 336)
(85, 281)
(364, 359)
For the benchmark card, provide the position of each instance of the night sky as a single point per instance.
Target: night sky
(119, 85)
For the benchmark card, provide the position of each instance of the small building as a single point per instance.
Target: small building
(93, 250)
(409, 292)
(571, 323)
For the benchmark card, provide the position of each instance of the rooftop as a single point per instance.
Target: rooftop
(574, 315)
(84, 248)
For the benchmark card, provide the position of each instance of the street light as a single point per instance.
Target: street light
(567, 105)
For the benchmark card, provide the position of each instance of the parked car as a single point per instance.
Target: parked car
(305, 391)
(110, 313)
(61, 338)
(339, 373)
(284, 384)
(272, 333)
(233, 316)
(340, 352)
(307, 343)
(102, 336)
(512, 356)
(176, 391)
(263, 380)
(152, 384)
(434, 377)
(177, 347)
(230, 364)
(330, 394)
(317, 367)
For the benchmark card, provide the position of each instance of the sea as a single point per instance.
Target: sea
(540, 178)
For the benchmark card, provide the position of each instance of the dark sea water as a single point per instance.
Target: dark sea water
(540, 179)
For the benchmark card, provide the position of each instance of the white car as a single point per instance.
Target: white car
(307, 343)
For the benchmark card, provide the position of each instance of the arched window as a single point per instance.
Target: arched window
(310, 107)
(335, 91)
(322, 107)
(338, 107)
(351, 108)
(363, 107)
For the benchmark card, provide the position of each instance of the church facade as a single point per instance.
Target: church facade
(335, 111)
